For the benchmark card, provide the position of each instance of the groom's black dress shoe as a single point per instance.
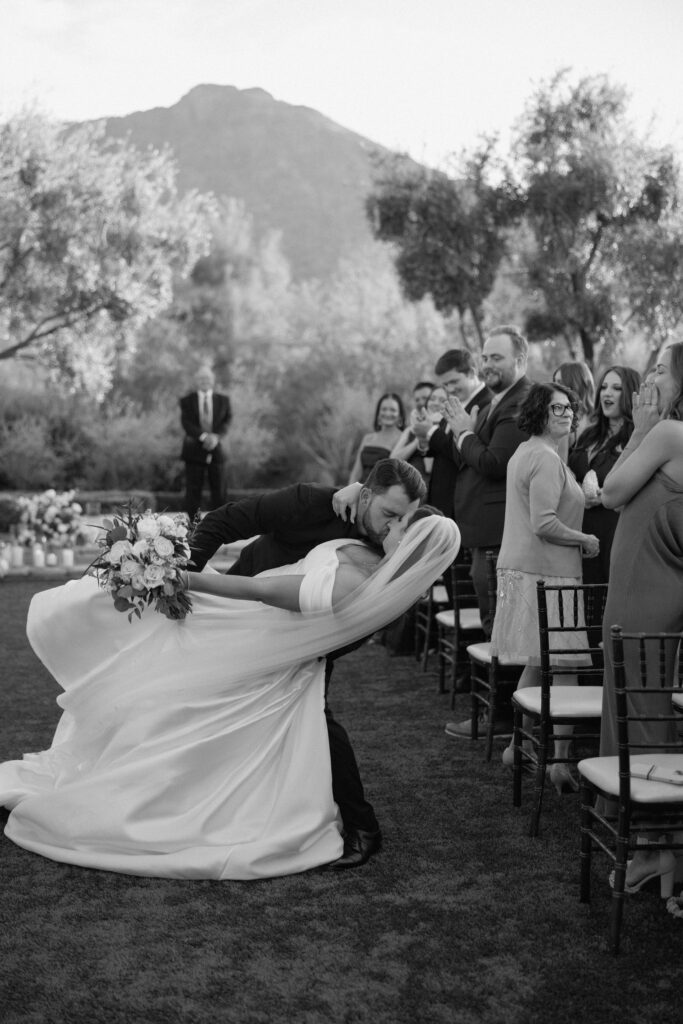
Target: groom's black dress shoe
(359, 846)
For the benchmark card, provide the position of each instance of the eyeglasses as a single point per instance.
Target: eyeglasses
(561, 410)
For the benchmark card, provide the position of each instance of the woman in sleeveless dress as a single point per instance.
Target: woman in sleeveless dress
(388, 425)
(198, 749)
(646, 573)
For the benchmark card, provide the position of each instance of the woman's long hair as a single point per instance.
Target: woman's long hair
(598, 433)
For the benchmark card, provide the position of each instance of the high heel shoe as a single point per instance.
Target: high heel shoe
(562, 779)
(663, 866)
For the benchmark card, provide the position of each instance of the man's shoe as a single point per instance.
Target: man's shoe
(463, 730)
(359, 847)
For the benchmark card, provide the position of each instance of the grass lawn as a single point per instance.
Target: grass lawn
(461, 918)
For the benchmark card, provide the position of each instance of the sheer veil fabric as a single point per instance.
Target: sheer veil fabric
(199, 749)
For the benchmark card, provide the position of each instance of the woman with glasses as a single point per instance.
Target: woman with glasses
(542, 540)
(595, 453)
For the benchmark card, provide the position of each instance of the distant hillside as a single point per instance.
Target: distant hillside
(296, 170)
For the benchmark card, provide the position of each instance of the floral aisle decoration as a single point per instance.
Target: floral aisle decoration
(51, 517)
(141, 561)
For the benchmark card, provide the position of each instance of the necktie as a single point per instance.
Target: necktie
(205, 413)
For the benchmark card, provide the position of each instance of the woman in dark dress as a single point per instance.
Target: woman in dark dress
(595, 453)
(389, 422)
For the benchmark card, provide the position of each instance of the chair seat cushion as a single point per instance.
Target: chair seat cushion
(482, 652)
(469, 618)
(565, 701)
(603, 772)
(439, 594)
(677, 701)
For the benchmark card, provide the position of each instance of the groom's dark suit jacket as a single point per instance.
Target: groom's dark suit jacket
(290, 522)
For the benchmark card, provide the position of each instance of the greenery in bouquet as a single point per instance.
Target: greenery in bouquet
(141, 561)
(53, 517)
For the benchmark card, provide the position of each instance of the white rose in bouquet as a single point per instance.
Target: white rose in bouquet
(148, 528)
(163, 547)
(119, 550)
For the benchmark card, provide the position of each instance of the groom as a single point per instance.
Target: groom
(286, 525)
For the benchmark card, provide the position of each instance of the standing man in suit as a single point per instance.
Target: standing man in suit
(456, 373)
(486, 440)
(205, 415)
(286, 525)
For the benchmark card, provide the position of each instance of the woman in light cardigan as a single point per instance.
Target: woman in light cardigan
(542, 540)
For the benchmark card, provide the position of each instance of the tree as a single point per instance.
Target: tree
(590, 187)
(92, 234)
(449, 231)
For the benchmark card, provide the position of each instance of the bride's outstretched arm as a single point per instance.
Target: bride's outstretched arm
(278, 591)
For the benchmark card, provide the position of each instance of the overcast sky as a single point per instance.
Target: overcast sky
(426, 76)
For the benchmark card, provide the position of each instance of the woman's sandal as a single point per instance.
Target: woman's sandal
(664, 869)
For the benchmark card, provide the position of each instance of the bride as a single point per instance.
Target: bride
(198, 749)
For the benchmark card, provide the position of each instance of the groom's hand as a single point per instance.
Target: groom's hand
(345, 502)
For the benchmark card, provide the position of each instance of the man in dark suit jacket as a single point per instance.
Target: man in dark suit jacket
(486, 440)
(457, 375)
(286, 525)
(205, 415)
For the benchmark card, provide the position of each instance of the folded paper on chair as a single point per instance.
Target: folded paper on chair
(655, 773)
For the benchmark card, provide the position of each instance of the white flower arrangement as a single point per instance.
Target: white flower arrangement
(50, 516)
(141, 562)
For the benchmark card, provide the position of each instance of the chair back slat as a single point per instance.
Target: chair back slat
(576, 608)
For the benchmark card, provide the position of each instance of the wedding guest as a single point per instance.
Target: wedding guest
(197, 749)
(388, 424)
(486, 439)
(595, 453)
(407, 445)
(542, 540)
(205, 416)
(421, 393)
(457, 375)
(646, 583)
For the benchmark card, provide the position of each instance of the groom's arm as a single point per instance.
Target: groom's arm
(300, 504)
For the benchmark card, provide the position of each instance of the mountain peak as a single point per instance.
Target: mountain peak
(297, 171)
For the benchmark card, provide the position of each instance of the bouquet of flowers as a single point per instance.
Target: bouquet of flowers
(54, 517)
(141, 562)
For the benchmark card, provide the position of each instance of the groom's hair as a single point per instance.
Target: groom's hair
(389, 472)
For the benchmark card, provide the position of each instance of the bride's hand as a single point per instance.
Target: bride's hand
(645, 410)
(345, 502)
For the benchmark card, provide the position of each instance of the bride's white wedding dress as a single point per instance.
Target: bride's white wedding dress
(196, 749)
